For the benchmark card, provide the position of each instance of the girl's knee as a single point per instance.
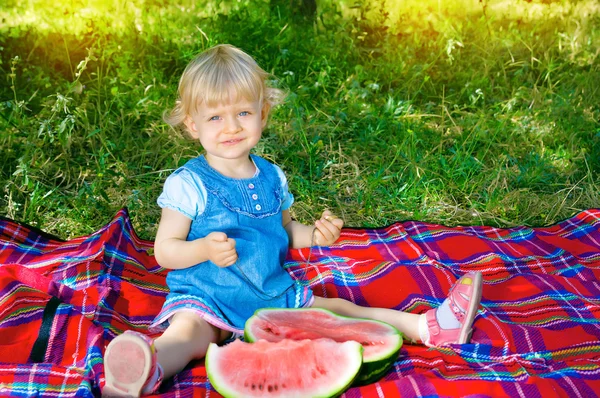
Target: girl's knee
(334, 304)
(188, 336)
(189, 326)
(337, 303)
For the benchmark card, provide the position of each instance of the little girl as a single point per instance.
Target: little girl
(225, 230)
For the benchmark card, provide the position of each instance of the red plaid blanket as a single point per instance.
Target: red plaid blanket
(537, 334)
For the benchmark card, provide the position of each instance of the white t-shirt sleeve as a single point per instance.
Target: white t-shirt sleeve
(288, 198)
(183, 192)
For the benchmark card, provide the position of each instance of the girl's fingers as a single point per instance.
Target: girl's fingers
(318, 238)
(228, 245)
(337, 222)
(330, 226)
(325, 232)
(227, 254)
(324, 229)
(332, 218)
(229, 260)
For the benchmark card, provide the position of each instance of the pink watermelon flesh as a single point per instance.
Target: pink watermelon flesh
(308, 368)
(299, 324)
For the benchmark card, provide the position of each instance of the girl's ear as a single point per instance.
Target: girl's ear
(190, 126)
(264, 114)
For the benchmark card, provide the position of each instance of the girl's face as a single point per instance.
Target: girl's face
(228, 132)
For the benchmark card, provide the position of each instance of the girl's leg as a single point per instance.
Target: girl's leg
(450, 323)
(405, 322)
(135, 365)
(186, 338)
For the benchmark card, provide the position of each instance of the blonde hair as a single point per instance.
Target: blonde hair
(220, 75)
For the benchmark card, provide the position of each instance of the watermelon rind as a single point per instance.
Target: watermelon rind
(231, 365)
(375, 366)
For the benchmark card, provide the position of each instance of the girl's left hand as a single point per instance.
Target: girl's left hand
(327, 229)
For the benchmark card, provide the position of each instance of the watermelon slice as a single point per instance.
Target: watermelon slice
(381, 342)
(288, 368)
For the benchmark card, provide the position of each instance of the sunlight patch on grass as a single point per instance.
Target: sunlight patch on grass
(451, 112)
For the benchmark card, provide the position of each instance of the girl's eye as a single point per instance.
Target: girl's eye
(244, 113)
(214, 118)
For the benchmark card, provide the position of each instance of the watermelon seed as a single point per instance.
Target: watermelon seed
(253, 386)
(270, 388)
(260, 387)
(271, 331)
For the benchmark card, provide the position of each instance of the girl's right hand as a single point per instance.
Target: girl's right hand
(221, 249)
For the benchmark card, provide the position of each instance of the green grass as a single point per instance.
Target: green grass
(447, 112)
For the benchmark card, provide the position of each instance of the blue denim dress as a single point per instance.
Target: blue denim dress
(249, 211)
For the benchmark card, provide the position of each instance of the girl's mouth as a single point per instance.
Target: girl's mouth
(232, 142)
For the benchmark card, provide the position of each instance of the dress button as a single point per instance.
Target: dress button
(254, 196)
(251, 186)
(257, 207)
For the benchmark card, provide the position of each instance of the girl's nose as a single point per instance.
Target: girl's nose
(232, 125)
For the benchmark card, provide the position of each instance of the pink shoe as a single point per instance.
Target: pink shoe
(129, 364)
(464, 298)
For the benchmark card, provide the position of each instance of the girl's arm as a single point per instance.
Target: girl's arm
(173, 251)
(326, 230)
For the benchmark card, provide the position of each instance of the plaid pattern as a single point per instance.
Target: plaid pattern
(537, 334)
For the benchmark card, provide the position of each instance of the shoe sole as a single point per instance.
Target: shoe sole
(467, 331)
(127, 363)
